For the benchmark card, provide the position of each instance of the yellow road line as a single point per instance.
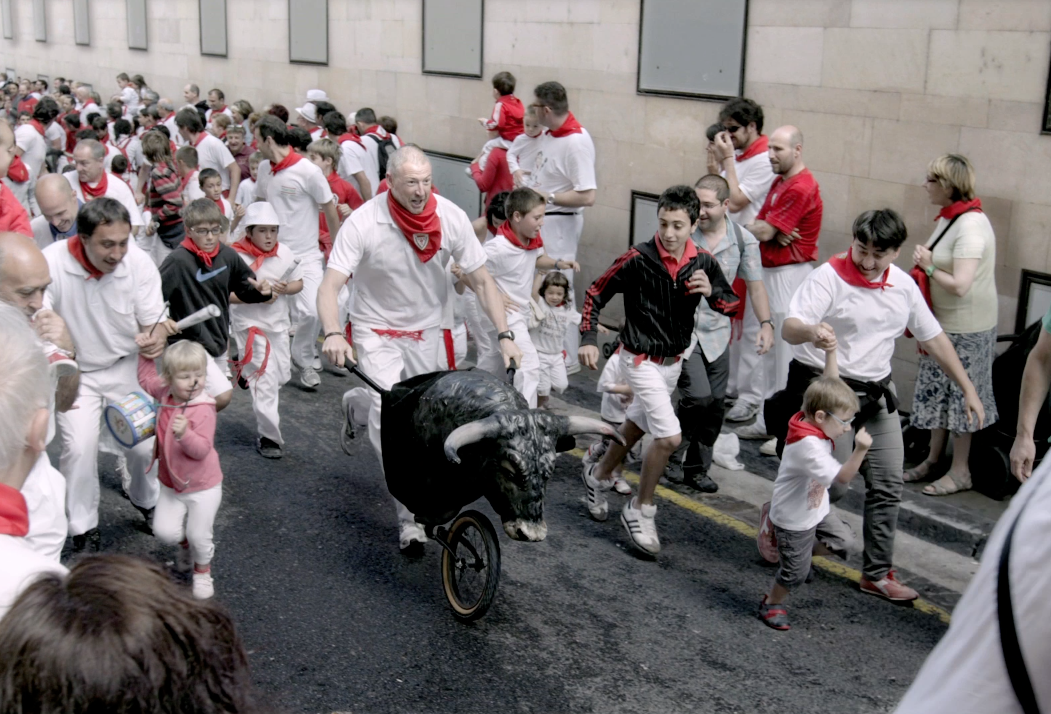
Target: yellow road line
(746, 529)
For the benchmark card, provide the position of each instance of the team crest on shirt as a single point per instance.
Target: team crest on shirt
(421, 240)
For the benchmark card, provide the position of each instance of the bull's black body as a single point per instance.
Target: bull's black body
(510, 470)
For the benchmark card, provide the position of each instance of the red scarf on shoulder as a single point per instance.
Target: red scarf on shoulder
(247, 247)
(799, 429)
(291, 160)
(206, 258)
(847, 269)
(14, 514)
(759, 146)
(957, 207)
(569, 126)
(350, 137)
(99, 191)
(17, 171)
(76, 249)
(507, 232)
(423, 231)
(37, 125)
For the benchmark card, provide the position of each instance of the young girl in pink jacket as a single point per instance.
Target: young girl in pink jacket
(191, 480)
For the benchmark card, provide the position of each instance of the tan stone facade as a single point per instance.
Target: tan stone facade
(879, 87)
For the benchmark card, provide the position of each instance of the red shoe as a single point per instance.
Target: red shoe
(889, 588)
(766, 539)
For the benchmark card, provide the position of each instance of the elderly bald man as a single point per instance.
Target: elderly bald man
(399, 247)
(59, 206)
(24, 277)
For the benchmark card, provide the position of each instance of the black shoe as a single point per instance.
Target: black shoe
(701, 482)
(242, 382)
(91, 538)
(147, 514)
(268, 448)
(673, 472)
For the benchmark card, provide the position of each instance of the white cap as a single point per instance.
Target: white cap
(260, 213)
(316, 95)
(309, 112)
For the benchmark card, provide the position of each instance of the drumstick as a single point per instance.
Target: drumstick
(205, 313)
(288, 273)
(166, 303)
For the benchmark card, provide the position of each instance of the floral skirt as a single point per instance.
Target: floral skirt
(938, 402)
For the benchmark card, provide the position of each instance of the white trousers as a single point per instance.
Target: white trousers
(460, 342)
(304, 309)
(266, 387)
(527, 378)
(45, 495)
(190, 516)
(388, 360)
(478, 323)
(561, 240)
(79, 429)
(552, 373)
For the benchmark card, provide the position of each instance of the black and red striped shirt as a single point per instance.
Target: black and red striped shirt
(658, 312)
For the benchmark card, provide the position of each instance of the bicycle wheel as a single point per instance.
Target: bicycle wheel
(471, 572)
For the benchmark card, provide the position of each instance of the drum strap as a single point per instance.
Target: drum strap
(246, 359)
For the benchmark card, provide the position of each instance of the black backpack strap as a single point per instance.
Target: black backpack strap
(1009, 644)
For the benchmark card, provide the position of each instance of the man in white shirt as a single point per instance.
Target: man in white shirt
(211, 152)
(108, 291)
(398, 248)
(859, 303)
(376, 140)
(88, 106)
(216, 105)
(309, 120)
(564, 173)
(91, 180)
(23, 402)
(297, 189)
(353, 156)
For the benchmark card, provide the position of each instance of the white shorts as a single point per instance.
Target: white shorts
(552, 373)
(652, 386)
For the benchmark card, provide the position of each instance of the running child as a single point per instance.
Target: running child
(211, 182)
(616, 396)
(164, 195)
(549, 317)
(505, 122)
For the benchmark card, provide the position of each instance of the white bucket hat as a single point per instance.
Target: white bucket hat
(309, 112)
(316, 95)
(260, 213)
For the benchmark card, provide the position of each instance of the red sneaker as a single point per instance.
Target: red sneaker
(889, 588)
(766, 539)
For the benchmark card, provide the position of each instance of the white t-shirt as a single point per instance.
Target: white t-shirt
(55, 133)
(245, 192)
(372, 168)
(103, 316)
(614, 406)
(392, 288)
(548, 325)
(513, 269)
(111, 153)
(116, 189)
(193, 189)
(800, 497)
(34, 150)
(136, 158)
(45, 495)
(22, 566)
(173, 129)
(867, 321)
(564, 163)
(130, 97)
(211, 112)
(966, 674)
(297, 193)
(522, 154)
(227, 210)
(754, 176)
(89, 108)
(272, 317)
(354, 158)
(213, 154)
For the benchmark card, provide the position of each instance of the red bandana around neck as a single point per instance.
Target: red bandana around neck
(799, 430)
(569, 126)
(14, 514)
(247, 247)
(206, 258)
(847, 269)
(76, 249)
(200, 138)
(507, 232)
(37, 125)
(957, 207)
(350, 137)
(291, 160)
(423, 231)
(220, 110)
(377, 130)
(759, 146)
(100, 188)
(219, 203)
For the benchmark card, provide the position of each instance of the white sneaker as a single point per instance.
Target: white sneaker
(203, 587)
(308, 377)
(598, 507)
(752, 431)
(769, 448)
(572, 367)
(641, 526)
(621, 486)
(316, 364)
(411, 534)
(742, 411)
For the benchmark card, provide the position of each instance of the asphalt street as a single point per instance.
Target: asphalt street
(337, 620)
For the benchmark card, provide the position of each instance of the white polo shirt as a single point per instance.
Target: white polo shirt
(513, 269)
(116, 189)
(866, 321)
(754, 176)
(297, 193)
(211, 112)
(34, 149)
(213, 154)
(272, 317)
(565, 163)
(103, 316)
(354, 158)
(392, 288)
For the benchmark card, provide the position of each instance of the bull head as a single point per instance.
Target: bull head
(521, 461)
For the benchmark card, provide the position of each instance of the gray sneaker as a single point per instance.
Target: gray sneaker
(308, 377)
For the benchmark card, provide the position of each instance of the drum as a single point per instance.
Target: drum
(132, 420)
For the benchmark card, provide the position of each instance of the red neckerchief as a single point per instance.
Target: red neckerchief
(76, 249)
(291, 160)
(14, 514)
(759, 146)
(957, 207)
(423, 231)
(350, 137)
(37, 125)
(199, 139)
(219, 203)
(507, 232)
(847, 269)
(18, 171)
(206, 258)
(100, 188)
(569, 126)
(377, 130)
(220, 110)
(222, 136)
(799, 430)
(185, 180)
(249, 248)
(672, 265)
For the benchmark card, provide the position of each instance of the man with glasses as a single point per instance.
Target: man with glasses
(564, 174)
(91, 180)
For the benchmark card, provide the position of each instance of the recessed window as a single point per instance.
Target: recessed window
(452, 37)
(137, 37)
(9, 22)
(308, 31)
(212, 14)
(39, 21)
(643, 217)
(81, 26)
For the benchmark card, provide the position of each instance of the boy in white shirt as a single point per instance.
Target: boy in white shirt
(212, 185)
(246, 190)
(261, 330)
(802, 522)
(186, 163)
(616, 396)
(549, 317)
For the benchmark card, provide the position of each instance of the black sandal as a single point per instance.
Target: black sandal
(774, 616)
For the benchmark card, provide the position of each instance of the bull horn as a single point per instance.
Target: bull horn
(470, 433)
(587, 425)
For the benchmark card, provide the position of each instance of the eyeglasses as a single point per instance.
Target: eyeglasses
(202, 232)
(731, 129)
(710, 206)
(844, 424)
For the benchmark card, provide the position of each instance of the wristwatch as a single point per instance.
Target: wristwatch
(764, 322)
(930, 270)
(508, 335)
(551, 199)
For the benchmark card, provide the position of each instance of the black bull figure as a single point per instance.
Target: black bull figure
(450, 438)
